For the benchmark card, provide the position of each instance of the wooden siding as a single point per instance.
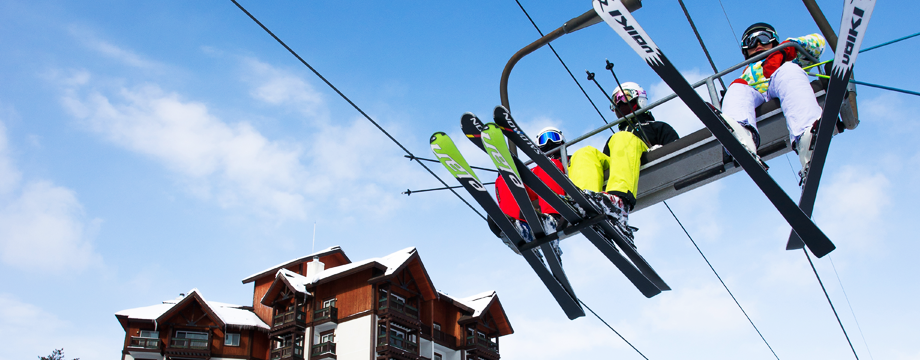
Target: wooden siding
(352, 293)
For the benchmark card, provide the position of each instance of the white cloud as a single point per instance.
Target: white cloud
(346, 163)
(45, 228)
(279, 87)
(111, 51)
(232, 162)
(705, 309)
(36, 332)
(851, 206)
(42, 226)
(9, 175)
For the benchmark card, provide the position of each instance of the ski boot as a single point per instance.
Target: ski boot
(610, 205)
(551, 225)
(524, 230)
(746, 134)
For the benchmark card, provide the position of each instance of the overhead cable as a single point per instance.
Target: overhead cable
(612, 329)
(353, 105)
(700, 39)
(563, 63)
(831, 303)
(720, 280)
(850, 305)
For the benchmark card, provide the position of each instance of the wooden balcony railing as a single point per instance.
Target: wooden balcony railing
(287, 352)
(322, 349)
(439, 336)
(193, 344)
(144, 343)
(396, 342)
(398, 306)
(483, 343)
(327, 313)
(289, 317)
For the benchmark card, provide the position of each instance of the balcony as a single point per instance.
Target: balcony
(287, 352)
(402, 345)
(184, 347)
(323, 351)
(326, 314)
(396, 306)
(439, 337)
(144, 343)
(290, 318)
(480, 343)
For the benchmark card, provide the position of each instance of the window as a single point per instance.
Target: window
(194, 335)
(436, 326)
(150, 334)
(232, 339)
(437, 356)
(329, 303)
(327, 337)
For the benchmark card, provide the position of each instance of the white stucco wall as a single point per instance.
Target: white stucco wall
(142, 355)
(353, 339)
(446, 353)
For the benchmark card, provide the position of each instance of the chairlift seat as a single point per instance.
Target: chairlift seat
(697, 159)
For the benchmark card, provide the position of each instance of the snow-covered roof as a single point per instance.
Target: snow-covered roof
(478, 302)
(392, 262)
(229, 314)
(274, 269)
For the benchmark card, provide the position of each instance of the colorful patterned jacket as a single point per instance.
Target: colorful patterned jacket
(762, 70)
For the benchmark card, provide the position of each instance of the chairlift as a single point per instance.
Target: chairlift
(696, 159)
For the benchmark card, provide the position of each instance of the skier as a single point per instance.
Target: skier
(552, 221)
(779, 75)
(622, 155)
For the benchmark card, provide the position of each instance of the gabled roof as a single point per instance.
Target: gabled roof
(408, 259)
(222, 313)
(487, 303)
(285, 279)
(330, 251)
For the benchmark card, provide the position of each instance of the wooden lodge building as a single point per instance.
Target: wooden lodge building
(323, 306)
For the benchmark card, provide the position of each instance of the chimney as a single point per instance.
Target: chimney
(315, 268)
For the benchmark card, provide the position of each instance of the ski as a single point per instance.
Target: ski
(852, 30)
(614, 13)
(497, 149)
(449, 156)
(646, 276)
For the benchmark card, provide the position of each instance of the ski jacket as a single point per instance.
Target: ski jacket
(759, 71)
(510, 207)
(657, 132)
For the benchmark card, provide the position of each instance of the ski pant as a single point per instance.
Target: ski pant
(790, 85)
(587, 166)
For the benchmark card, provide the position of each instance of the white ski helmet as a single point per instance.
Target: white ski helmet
(549, 138)
(626, 92)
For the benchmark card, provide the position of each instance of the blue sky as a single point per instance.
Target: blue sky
(149, 148)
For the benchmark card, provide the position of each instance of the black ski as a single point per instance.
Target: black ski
(645, 279)
(495, 145)
(615, 14)
(852, 30)
(446, 151)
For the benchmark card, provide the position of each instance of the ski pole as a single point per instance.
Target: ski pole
(632, 114)
(872, 85)
(436, 161)
(591, 78)
(409, 192)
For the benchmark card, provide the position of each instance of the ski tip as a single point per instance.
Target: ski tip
(436, 135)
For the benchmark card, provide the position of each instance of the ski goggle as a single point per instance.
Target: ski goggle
(762, 37)
(549, 136)
(625, 95)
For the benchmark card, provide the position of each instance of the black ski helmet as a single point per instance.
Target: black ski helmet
(748, 38)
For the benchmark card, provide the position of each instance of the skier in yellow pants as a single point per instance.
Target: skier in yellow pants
(622, 156)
